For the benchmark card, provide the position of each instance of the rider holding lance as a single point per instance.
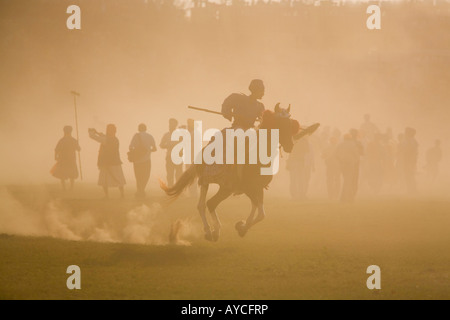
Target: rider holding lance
(245, 109)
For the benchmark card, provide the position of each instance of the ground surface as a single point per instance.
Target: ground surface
(302, 250)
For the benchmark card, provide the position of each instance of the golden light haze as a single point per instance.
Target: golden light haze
(139, 61)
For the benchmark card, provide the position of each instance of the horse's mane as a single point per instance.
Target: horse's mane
(268, 120)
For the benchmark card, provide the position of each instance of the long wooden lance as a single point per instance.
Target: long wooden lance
(304, 130)
(205, 110)
(75, 95)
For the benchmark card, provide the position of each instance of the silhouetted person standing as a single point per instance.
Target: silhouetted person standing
(333, 169)
(173, 171)
(375, 161)
(399, 159)
(390, 147)
(434, 157)
(109, 163)
(299, 165)
(143, 144)
(368, 129)
(324, 136)
(409, 149)
(349, 153)
(65, 156)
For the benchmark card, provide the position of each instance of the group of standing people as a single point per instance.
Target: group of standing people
(363, 156)
(109, 161)
(359, 156)
(242, 109)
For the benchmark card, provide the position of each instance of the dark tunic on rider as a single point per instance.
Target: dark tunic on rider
(243, 109)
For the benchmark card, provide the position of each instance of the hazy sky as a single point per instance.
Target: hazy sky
(137, 63)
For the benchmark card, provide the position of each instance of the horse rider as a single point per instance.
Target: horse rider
(244, 110)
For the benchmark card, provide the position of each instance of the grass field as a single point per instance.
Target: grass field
(302, 250)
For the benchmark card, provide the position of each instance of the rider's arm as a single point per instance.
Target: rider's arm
(227, 107)
(261, 110)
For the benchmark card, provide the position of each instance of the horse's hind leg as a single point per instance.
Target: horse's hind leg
(201, 209)
(260, 203)
(212, 204)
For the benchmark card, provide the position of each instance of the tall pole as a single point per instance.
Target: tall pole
(75, 94)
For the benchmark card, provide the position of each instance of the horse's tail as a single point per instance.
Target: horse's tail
(186, 179)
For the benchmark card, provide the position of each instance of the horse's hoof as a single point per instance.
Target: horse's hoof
(241, 229)
(215, 235)
(208, 236)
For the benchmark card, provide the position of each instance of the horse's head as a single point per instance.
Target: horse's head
(284, 113)
(281, 119)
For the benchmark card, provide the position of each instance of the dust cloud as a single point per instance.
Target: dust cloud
(146, 61)
(47, 217)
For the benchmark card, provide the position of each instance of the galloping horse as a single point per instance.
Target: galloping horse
(252, 185)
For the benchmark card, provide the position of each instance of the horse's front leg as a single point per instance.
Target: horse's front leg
(257, 203)
(261, 213)
(202, 210)
(242, 227)
(251, 217)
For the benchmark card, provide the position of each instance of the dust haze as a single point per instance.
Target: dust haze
(43, 216)
(146, 61)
